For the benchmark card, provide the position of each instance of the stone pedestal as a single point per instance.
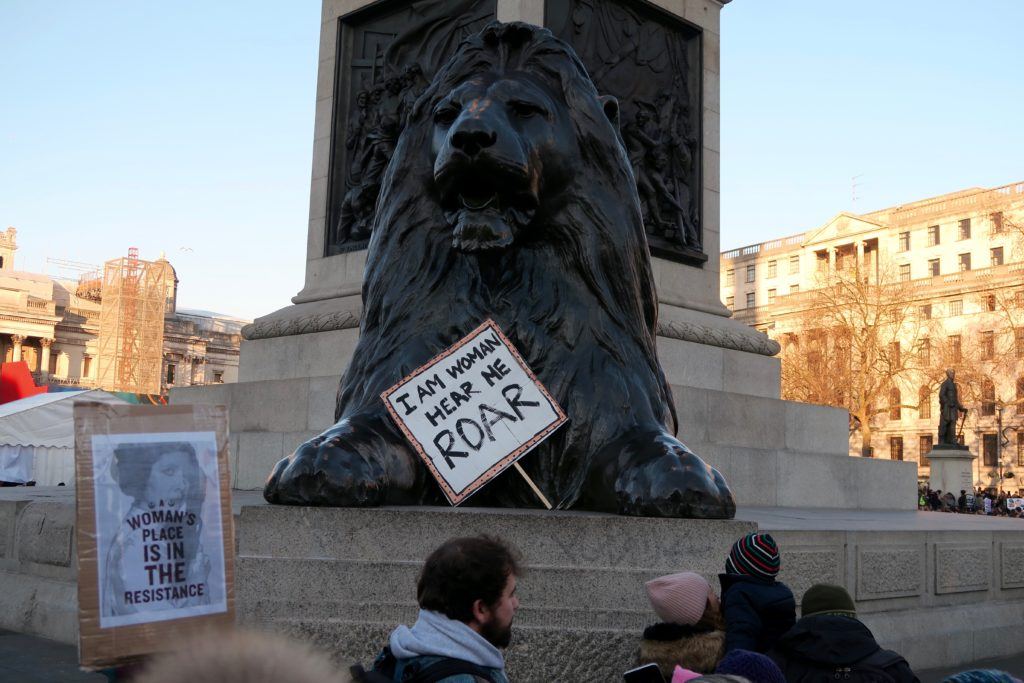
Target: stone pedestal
(952, 469)
(344, 578)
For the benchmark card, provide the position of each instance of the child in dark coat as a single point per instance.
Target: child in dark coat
(757, 608)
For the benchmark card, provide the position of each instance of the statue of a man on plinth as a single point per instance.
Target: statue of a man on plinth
(950, 410)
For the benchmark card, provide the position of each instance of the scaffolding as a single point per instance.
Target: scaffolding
(130, 353)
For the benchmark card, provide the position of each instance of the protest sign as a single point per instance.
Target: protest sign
(472, 411)
(1014, 503)
(154, 526)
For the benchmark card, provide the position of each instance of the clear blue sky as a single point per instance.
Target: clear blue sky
(187, 127)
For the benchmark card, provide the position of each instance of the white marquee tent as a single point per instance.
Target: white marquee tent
(37, 436)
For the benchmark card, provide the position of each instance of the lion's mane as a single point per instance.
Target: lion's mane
(576, 297)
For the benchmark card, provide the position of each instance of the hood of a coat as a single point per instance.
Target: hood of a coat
(828, 639)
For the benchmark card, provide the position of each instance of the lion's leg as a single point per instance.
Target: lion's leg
(648, 472)
(361, 461)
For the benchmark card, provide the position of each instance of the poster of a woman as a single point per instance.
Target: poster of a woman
(159, 541)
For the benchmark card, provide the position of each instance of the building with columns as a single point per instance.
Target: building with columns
(53, 325)
(961, 256)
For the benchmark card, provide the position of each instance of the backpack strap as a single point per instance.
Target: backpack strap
(881, 659)
(445, 668)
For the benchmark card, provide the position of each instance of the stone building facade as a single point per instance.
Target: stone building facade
(961, 256)
(53, 325)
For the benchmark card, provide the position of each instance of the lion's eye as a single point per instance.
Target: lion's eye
(446, 116)
(525, 110)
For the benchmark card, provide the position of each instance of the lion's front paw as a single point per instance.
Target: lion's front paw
(328, 470)
(663, 478)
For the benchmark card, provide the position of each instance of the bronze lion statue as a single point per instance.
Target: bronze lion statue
(510, 197)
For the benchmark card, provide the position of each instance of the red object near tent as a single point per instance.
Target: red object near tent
(16, 382)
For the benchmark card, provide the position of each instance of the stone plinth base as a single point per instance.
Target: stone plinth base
(940, 589)
(952, 469)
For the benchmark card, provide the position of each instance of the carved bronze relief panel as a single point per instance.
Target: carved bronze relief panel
(651, 62)
(387, 54)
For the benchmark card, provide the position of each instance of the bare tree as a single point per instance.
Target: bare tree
(862, 338)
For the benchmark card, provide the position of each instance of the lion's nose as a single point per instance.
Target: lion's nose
(471, 137)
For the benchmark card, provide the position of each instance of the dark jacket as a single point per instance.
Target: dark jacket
(757, 611)
(812, 650)
(671, 645)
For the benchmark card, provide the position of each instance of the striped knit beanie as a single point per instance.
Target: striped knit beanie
(754, 555)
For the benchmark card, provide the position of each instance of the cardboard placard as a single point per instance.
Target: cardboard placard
(154, 528)
(473, 410)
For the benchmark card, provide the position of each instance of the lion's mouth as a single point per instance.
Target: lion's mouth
(485, 207)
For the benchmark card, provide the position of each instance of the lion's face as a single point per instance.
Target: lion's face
(501, 145)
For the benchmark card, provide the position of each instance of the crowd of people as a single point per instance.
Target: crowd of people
(749, 631)
(977, 501)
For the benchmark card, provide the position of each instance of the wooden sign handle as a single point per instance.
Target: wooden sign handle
(533, 486)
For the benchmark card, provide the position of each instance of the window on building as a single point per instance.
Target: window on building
(955, 348)
(218, 376)
(934, 237)
(1020, 396)
(1018, 298)
(988, 449)
(988, 397)
(988, 345)
(750, 299)
(924, 447)
(964, 229)
(926, 351)
(730, 301)
(964, 261)
(996, 256)
(904, 272)
(956, 307)
(771, 297)
(926, 312)
(997, 222)
(904, 241)
(924, 403)
(794, 264)
(990, 303)
(171, 371)
(1020, 449)
(773, 268)
(894, 404)
(87, 366)
(751, 272)
(730, 277)
(933, 267)
(794, 289)
(896, 448)
(894, 354)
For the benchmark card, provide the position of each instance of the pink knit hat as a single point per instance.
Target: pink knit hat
(679, 598)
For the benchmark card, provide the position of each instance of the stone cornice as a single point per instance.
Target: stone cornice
(287, 327)
(750, 341)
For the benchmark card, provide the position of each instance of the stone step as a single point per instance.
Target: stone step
(553, 596)
(731, 419)
(769, 478)
(563, 539)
